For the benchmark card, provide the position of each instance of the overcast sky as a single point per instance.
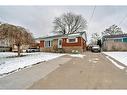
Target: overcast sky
(38, 19)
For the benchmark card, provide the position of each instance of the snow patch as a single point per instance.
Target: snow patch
(119, 56)
(8, 65)
(117, 65)
(77, 55)
(94, 60)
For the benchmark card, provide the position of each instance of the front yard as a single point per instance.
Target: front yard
(10, 63)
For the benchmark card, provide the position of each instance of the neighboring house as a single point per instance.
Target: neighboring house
(4, 42)
(23, 48)
(75, 42)
(115, 42)
(4, 45)
(36, 44)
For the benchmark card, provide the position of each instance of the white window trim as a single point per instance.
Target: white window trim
(59, 46)
(45, 44)
(76, 40)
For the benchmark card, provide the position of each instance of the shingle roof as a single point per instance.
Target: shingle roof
(65, 35)
(115, 36)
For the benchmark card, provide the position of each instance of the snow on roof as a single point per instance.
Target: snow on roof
(115, 36)
(73, 35)
(65, 35)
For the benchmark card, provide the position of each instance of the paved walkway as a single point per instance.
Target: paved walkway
(26, 77)
(94, 71)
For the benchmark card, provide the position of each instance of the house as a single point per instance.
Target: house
(23, 48)
(75, 42)
(7, 45)
(4, 45)
(4, 42)
(115, 42)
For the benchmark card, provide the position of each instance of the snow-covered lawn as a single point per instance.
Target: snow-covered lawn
(8, 64)
(119, 56)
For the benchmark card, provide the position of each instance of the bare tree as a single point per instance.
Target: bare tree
(16, 35)
(95, 37)
(112, 30)
(69, 23)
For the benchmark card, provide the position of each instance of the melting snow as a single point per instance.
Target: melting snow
(77, 55)
(94, 60)
(117, 65)
(10, 64)
(119, 56)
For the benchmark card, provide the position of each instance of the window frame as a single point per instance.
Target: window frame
(68, 40)
(49, 44)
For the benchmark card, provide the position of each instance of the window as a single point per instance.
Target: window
(47, 43)
(72, 40)
(60, 42)
(125, 40)
(117, 40)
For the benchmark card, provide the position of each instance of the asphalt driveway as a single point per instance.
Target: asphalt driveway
(93, 71)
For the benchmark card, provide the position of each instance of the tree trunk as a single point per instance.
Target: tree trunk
(18, 50)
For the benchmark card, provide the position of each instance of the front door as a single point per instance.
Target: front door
(59, 43)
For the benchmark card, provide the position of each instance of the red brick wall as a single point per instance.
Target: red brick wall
(65, 44)
(79, 45)
(41, 44)
(83, 44)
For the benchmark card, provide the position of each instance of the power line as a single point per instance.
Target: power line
(122, 20)
(91, 17)
(92, 14)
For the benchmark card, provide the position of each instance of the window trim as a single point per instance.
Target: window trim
(76, 40)
(45, 43)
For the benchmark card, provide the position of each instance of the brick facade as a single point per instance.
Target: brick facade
(42, 44)
(53, 47)
(80, 45)
(73, 48)
(65, 44)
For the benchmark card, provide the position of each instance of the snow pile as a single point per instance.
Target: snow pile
(117, 65)
(10, 64)
(77, 55)
(119, 56)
